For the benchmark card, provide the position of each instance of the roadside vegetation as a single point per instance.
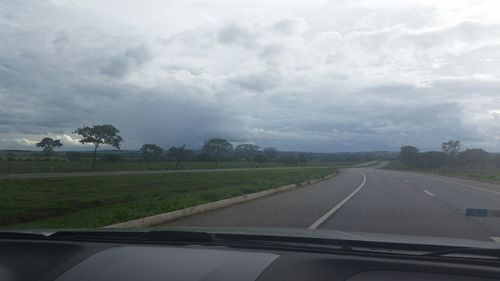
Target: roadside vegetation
(215, 153)
(94, 201)
(472, 163)
(66, 166)
(99, 201)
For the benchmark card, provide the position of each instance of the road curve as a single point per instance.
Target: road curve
(371, 200)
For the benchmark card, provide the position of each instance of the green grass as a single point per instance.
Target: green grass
(482, 174)
(100, 201)
(487, 172)
(398, 165)
(66, 166)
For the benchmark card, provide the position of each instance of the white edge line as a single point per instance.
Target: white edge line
(338, 206)
(463, 184)
(494, 238)
(428, 192)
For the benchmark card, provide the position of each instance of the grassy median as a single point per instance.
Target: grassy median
(104, 200)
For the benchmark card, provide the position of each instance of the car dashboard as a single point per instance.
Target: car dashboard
(83, 260)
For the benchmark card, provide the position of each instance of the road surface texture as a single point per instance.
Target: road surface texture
(370, 200)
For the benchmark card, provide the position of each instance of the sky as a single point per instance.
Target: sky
(316, 75)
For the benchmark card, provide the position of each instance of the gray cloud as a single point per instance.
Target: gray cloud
(235, 34)
(310, 81)
(132, 58)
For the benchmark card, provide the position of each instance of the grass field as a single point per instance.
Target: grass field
(487, 172)
(100, 201)
(66, 166)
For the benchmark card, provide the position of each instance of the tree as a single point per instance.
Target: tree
(178, 154)
(216, 148)
(73, 156)
(409, 154)
(151, 152)
(473, 157)
(302, 159)
(110, 157)
(260, 157)
(270, 153)
(451, 148)
(48, 145)
(99, 135)
(496, 160)
(432, 159)
(247, 151)
(290, 160)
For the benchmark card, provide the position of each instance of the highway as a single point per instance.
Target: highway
(370, 200)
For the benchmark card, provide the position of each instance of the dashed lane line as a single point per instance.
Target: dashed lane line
(429, 193)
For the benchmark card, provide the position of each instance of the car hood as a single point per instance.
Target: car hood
(352, 235)
(303, 233)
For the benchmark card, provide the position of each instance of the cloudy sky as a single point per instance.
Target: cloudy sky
(311, 75)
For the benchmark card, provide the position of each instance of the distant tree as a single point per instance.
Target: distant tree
(432, 159)
(48, 145)
(475, 157)
(247, 151)
(73, 156)
(270, 153)
(302, 159)
(409, 154)
(151, 152)
(203, 157)
(217, 148)
(178, 154)
(99, 135)
(451, 147)
(110, 157)
(260, 158)
(495, 160)
(290, 160)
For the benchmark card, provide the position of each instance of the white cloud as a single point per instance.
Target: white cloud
(316, 75)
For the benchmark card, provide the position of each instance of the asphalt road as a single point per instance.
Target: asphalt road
(371, 200)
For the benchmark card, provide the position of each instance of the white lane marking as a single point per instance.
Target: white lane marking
(338, 206)
(463, 184)
(407, 181)
(494, 238)
(428, 192)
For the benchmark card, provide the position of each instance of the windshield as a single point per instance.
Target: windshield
(355, 117)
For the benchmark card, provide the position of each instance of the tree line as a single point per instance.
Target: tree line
(451, 154)
(215, 149)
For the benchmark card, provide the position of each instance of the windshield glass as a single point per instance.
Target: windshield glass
(358, 117)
